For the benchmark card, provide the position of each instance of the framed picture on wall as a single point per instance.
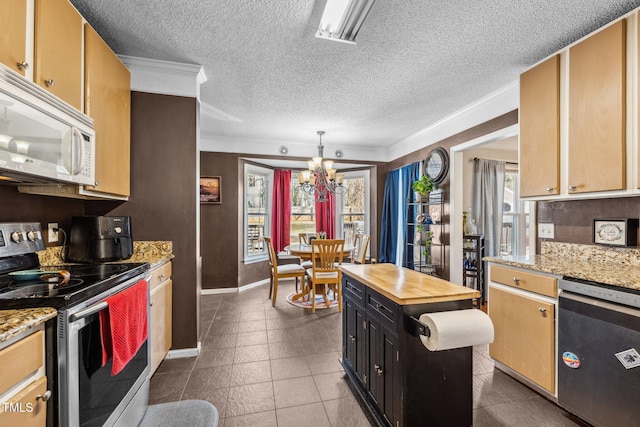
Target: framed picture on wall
(211, 189)
(616, 232)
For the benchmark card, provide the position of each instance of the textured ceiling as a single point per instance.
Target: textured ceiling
(415, 62)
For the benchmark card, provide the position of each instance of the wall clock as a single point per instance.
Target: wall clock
(436, 165)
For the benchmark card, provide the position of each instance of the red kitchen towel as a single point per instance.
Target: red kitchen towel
(124, 326)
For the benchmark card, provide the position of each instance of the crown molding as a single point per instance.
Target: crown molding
(164, 77)
(489, 107)
(269, 147)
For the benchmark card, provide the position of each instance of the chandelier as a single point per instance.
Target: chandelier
(321, 178)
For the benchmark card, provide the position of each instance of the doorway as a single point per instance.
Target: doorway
(499, 145)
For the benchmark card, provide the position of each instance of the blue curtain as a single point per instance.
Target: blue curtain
(389, 227)
(410, 174)
(394, 208)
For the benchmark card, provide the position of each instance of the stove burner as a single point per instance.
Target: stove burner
(34, 289)
(104, 270)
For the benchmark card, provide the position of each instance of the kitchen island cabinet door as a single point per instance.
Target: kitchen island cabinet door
(540, 129)
(13, 43)
(108, 103)
(597, 112)
(58, 50)
(524, 335)
(382, 368)
(354, 338)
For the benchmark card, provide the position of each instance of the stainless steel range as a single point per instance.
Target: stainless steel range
(88, 395)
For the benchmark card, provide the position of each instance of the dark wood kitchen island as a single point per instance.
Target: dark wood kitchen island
(396, 379)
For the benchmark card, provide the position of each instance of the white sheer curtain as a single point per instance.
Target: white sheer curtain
(488, 199)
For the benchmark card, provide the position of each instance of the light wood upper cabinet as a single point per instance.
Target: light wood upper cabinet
(524, 335)
(58, 50)
(13, 43)
(540, 129)
(597, 111)
(108, 102)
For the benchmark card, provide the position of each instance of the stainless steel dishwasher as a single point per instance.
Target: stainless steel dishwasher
(599, 352)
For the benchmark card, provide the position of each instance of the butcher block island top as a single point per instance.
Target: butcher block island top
(405, 287)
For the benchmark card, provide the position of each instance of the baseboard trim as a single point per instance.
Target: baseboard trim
(234, 290)
(184, 352)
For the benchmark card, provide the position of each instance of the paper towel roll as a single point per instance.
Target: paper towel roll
(455, 329)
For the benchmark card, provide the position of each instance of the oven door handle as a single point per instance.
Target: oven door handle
(96, 307)
(89, 311)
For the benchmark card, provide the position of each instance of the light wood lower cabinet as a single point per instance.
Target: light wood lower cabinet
(160, 333)
(23, 385)
(524, 335)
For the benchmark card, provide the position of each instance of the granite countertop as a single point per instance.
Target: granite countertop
(15, 322)
(578, 265)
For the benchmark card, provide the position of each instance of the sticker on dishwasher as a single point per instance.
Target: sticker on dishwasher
(629, 358)
(571, 360)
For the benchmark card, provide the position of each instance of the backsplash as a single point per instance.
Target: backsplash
(592, 253)
(151, 252)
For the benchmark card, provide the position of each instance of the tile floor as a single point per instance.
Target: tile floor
(266, 366)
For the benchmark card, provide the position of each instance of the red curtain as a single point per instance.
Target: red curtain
(326, 216)
(281, 213)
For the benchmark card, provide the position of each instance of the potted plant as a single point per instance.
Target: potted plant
(423, 187)
(428, 267)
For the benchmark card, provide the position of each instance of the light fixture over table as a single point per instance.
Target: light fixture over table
(321, 178)
(342, 19)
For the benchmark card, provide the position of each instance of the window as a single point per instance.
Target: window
(257, 201)
(302, 211)
(352, 206)
(516, 238)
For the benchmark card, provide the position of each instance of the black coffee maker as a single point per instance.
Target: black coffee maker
(100, 239)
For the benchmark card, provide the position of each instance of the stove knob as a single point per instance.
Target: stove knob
(31, 236)
(117, 230)
(17, 237)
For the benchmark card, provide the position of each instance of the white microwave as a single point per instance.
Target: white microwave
(42, 138)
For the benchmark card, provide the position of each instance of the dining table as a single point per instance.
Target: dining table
(304, 252)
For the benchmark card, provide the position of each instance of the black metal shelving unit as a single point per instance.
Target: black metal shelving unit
(473, 270)
(414, 256)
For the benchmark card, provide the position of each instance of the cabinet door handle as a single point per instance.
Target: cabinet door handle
(378, 369)
(516, 281)
(24, 65)
(352, 338)
(549, 189)
(49, 83)
(45, 396)
(161, 276)
(573, 187)
(378, 306)
(542, 310)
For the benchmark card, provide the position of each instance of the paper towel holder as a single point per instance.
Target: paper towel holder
(420, 328)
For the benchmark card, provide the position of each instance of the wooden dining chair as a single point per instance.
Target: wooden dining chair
(302, 237)
(285, 271)
(361, 244)
(324, 272)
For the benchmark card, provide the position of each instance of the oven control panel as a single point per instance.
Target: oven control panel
(17, 238)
